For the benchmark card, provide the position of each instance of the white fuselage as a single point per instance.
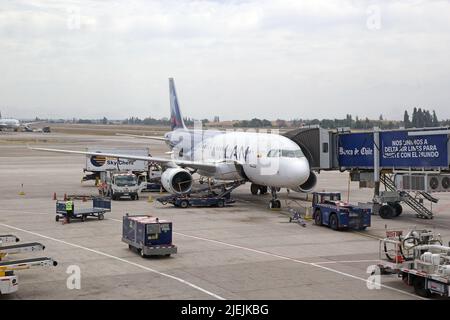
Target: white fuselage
(263, 158)
(9, 124)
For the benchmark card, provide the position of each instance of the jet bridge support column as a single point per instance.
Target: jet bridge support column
(376, 160)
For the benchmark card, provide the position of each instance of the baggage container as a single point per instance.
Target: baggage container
(148, 235)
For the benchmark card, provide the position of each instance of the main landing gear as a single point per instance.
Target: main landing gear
(255, 188)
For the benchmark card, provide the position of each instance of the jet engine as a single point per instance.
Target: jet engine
(309, 184)
(176, 180)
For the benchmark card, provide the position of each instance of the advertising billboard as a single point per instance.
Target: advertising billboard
(355, 150)
(397, 150)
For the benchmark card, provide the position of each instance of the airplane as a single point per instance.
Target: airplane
(266, 160)
(13, 124)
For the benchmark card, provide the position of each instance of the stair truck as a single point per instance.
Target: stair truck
(9, 282)
(330, 210)
(148, 235)
(419, 258)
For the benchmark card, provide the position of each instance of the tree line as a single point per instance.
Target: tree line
(254, 123)
(419, 118)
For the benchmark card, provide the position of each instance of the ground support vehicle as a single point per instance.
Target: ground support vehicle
(329, 210)
(9, 281)
(20, 248)
(8, 238)
(96, 166)
(100, 206)
(122, 185)
(296, 217)
(207, 198)
(419, 258)
(148, 235)
(184, 201)
(153, 187)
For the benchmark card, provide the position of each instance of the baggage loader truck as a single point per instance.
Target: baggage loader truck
(8, 238)
(9, 282)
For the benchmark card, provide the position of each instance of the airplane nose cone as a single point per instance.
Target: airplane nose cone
(281, 172)
(294, 172)
(301, 171)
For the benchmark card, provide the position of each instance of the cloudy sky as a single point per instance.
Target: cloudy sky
(235, 59)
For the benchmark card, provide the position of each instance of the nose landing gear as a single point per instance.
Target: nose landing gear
(274, 203)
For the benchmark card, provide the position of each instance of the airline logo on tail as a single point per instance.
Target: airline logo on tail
(176, 121)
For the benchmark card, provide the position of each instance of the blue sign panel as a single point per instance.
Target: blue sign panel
(398, 150)
(356, 150)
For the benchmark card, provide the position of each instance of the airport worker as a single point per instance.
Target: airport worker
(69, 209)
(102, 186)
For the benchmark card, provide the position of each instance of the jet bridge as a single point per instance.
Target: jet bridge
(406, 161)
(318, 145)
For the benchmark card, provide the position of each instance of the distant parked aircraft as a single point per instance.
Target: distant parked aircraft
(13, 124)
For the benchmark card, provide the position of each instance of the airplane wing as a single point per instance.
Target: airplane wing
(210, 166)
(141, 136)
(26, 124)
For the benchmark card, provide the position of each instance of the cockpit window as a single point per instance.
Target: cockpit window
(273, 153)
(285, 153)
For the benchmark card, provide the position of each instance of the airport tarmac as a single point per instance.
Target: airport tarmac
(244, 251)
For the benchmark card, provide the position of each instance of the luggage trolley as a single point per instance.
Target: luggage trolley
(99, 207)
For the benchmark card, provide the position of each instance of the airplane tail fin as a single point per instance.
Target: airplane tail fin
(176, 120)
